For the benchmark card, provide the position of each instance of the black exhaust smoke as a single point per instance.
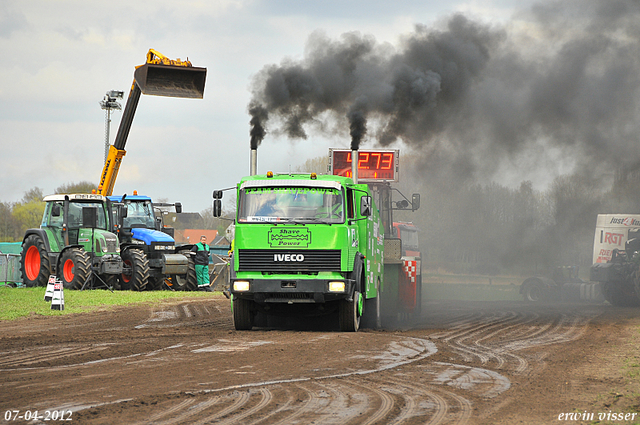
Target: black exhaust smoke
(465, 95)
(259, 116)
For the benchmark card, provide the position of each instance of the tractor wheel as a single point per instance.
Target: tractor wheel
(154, 283)
(135, 275)
(371, 318)
(112, 281)
(186, 282)
(621, 295)
(534, 291)
(349, 313)
(35, 266)
(75, 267)
(242, 314)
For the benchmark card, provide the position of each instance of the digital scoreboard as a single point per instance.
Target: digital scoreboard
(374, 165)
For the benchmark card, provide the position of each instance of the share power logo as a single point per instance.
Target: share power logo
(281, 237)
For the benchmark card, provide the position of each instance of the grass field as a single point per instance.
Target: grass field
(440, 286)
(21, 302)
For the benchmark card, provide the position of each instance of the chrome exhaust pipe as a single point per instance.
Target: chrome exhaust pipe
(354, 165)
(253, 167)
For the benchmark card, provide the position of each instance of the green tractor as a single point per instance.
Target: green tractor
(73, 242)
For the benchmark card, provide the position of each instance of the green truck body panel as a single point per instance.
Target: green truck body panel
(294, 251)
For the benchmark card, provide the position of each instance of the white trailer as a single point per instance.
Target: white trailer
(612, 232)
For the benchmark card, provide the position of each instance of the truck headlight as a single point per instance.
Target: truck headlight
(336, 286)
(241, 285)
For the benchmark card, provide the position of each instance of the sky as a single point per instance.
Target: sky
(61, 57)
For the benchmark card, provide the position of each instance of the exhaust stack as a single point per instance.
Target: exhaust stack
(253, 167)
(354, 165)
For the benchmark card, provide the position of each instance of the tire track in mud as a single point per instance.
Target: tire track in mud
(400, 388)
(374, 396)
(498, 336)
(334, 402)
(174, 316)
(45, 354)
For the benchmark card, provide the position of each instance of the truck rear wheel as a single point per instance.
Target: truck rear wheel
(135, 276)
(75, 267)
(242, 314)
(350, 313)
(35, 266)
(371, 318)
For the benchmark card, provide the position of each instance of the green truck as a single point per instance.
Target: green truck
(306, 245)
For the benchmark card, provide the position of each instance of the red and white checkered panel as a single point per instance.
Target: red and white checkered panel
(410, 269)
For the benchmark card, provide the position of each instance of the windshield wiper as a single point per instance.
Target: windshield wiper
(304, 220)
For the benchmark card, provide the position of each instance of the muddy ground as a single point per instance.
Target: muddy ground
(460, 363)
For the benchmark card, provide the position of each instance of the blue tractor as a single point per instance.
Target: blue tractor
(148, 250)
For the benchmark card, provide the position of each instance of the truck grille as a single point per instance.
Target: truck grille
(288, 297)
(293, 261)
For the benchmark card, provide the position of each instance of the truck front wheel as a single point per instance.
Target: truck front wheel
(75, 267)
(242, 314)
(35, 265)
(350, 313)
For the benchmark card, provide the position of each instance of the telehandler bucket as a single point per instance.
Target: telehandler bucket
(172, 81)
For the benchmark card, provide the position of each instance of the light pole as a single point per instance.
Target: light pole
(109, 103)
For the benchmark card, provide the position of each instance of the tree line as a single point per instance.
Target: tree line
(492, 229)
(17, 217)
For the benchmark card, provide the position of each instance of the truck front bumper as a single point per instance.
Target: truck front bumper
(292, 291)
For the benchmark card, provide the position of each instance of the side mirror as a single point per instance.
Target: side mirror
(217, 207)
(365, 206)
(217, 194)
(415, 201)
(55, 210)
(90, 217)
(122, 211)
(178, 207)
(631, 246)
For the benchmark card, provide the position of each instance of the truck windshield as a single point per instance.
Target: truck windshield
(139, 214)
(291, 204)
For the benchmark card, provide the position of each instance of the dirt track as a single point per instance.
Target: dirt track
(475, 363)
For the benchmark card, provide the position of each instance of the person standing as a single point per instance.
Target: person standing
(201, 261)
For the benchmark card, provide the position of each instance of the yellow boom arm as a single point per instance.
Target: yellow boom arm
(110, 171)
(159, 76)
